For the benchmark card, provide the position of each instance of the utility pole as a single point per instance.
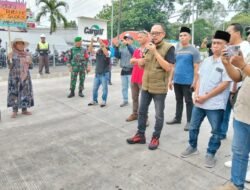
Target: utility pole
(112, 20)
(120, 17)
(192, 22)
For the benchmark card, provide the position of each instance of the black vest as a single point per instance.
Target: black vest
(102, 62)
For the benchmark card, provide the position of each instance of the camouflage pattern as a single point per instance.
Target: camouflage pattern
(78, 61)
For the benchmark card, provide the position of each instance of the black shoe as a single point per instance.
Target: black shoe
(47, 72)
(81, 94)
(174, 121)
(72, 94)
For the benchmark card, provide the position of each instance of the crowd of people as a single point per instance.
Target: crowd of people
(210, 88)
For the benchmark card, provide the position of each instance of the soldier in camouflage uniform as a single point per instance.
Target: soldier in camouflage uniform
(78, 64)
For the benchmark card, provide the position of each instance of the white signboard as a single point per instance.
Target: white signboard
(90, 27)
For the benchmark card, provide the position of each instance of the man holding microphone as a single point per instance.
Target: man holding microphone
(157, 63)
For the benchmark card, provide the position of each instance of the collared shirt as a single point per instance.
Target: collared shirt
(211, 73)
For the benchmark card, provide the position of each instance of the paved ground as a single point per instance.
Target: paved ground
(66, 145)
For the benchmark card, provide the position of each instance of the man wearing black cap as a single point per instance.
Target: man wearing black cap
(184, 76)
(124, 53)
(210, 99)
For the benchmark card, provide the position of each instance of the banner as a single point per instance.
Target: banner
(13, 14)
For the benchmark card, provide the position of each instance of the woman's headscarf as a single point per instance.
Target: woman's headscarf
(23, 56)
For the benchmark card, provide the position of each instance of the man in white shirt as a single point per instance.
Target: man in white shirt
(210, 100)
(236, 31)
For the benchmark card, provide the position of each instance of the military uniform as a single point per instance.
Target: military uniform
(78, 61)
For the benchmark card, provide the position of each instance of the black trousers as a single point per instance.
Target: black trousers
(181, 91)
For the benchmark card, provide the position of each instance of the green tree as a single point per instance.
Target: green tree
(202, 29)
(173, 30)
(52, 8)
(215, 15)
(241, 18)
(243, 5)
(138, 14)
(188, 6)
(71, 24)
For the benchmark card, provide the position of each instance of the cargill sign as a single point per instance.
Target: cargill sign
(94, 29)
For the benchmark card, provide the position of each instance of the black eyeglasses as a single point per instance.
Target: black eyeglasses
(155, 33)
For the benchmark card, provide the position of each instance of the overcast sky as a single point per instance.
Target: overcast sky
(90, 8)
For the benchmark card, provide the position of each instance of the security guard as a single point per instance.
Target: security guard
(43, 50)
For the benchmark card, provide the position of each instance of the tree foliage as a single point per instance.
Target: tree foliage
(198, 7)
(52, 8)
(215, 15)
(243, 5)
(241, 18)
(71, 24)
(142, 14)
(203, 28)
(138, 14)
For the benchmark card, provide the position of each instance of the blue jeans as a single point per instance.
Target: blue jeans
(226, 117)
(241, 149)
(101, 79)
(125, 85)
(159, 100)
(215, 118)
(110, 68)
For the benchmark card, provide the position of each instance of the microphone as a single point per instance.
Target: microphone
(147, 50)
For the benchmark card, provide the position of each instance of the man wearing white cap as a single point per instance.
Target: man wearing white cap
(43, 50)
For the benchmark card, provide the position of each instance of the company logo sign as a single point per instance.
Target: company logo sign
(94, 29)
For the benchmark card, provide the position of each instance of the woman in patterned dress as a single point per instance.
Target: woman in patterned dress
(20, 93)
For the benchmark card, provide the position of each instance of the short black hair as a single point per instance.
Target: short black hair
(161, 25)
(237, 28)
